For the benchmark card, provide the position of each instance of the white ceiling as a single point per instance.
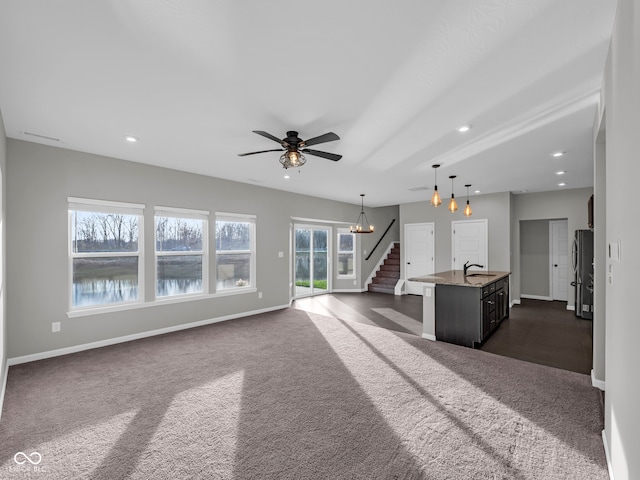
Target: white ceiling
(394, 80)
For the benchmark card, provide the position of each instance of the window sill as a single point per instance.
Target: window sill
(159, 302)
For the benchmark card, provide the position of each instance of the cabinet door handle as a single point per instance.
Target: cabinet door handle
(490, 302)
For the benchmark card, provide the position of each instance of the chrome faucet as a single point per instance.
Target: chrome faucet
(466, 267)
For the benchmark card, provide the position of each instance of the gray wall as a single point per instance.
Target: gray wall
(622, 104)
(39, 180)
(3, 301)
(570, 204)
(534, 258)
(495, 208)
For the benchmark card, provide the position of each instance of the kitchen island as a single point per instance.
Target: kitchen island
(464, 309)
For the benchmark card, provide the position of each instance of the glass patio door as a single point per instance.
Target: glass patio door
(311, 262)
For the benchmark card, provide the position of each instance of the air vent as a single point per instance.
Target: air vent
(44, 137)
(419, 189)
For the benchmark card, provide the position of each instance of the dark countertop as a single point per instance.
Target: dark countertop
(474, 278)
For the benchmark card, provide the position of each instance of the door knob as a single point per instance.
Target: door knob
(555, 264)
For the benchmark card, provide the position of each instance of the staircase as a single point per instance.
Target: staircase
(389, 273)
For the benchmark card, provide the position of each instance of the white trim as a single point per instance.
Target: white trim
(318, 220)
(245, 216)
(515, 301)
(3, 387)
(347, 290)
(136, 336)
(571, 307)
(600, 384)
(76, 201)
(606, 454)
(399, 286)
(383, 257)
(172, 211)
(536, 297)
(160, 301)
(428, 336)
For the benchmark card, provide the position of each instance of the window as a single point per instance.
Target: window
(346, 253)
(105, 253)
(181, 251)
(235, 251)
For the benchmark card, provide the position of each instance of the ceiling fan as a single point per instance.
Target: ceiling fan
(294, 147)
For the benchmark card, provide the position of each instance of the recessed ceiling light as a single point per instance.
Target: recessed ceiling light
(561, 172)
(557, 154)
(464, 128)
(131, 138)
(562, 184)
(477, 191)
(287, 177)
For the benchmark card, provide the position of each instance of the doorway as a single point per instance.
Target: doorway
(311, 262)
(418, 254)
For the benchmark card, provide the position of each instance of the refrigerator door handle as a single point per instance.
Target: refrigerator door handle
(574, 256)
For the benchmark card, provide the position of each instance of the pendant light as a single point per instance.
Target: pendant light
(467, 210)
(453, 206)
(362, 221)
(436, 201)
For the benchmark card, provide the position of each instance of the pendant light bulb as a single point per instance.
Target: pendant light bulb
(436, 201)
(467, 210)
(453, 206)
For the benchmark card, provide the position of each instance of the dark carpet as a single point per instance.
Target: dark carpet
(297, 395)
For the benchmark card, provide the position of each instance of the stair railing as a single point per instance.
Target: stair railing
(380, 240)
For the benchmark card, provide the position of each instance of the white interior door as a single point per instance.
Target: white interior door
(418, 254)
(559, 241)
(470, 244)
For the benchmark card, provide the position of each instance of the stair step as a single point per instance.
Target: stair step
(384, 280)
(395, 273)
(395, 269)
(381, 289)
(392, 261)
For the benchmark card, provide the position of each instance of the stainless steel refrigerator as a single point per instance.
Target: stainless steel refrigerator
(582, 261)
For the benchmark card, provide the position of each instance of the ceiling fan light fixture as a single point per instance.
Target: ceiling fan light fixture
(292, 159)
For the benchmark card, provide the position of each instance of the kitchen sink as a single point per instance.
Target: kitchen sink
(481, 275)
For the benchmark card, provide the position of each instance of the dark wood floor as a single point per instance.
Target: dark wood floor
(536, 331)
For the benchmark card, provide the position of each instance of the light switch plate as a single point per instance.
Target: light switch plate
(55, 327)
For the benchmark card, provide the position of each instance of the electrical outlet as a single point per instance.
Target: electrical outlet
(259, 294)
(55, 327)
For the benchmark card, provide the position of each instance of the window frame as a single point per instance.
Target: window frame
(353, 251)
(239, 218)
(175, 212)
(75, 204)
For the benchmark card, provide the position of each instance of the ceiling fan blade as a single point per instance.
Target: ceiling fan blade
(327, 137)
(261, 151)
(270, 137)
(318, 153)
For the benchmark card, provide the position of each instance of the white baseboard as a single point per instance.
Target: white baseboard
(515, 301)
(597, 383)
(3, 386)
(136, 336)
(606, 454)
(428, 336)
(536, 297)
(571, 307)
